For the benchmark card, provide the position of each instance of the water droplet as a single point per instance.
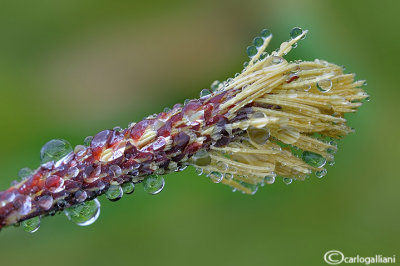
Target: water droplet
(258, 41)
(276, 60)
(269, 179)
(54, 150)
(307, 88)
(287, 180)
(117, 128)
(166, 110)
(331, 163)
(115, 170)
(73, 171)
(245, 64)
(324, 85)
(24, 173)
(368, 99)
(228, 176)
(128, 188)
(80, 196)
(258, 135)
(215, 85)
(296, 31)
(263, 55)
(186, 101)
(54, 183)
(201, 158)
(251, 51)
(31, 225)
(114, 193)
(87, 141)
(222, 166)
(313, 159)
(153, 184)
(265, 33)
(199, 171)
(253, 188)
(45, 202)
(205, 93)
(215, 176)
(85, 213)
(321, 173)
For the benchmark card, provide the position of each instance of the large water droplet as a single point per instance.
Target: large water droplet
(80, 196)
(31, 225)
(153, 184)
(265, 33)
(258, 135)
(296, 31)
(313, 159)
(324, 85)
(114, 193)
(24, 173)
(85, 213)
(201, 158)
(54, 150)
(128, 188)
(251, 51)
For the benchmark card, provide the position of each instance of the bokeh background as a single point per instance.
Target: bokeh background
(69, 69)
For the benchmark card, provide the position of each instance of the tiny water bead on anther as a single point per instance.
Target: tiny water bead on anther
(321, 173)
(287, 180)
(24, 173)
(201, 158)
(85, 213)
(114, 193)
(153, 184)
(258, 135)
(258, 41)
(296, 31)
(265, 33)
(324, 85)
(251, 51)
(205, 93)
(128, 188)
(87, 140)
(215, 85)
(54, 150)
(269, 179)
(31, 225)
(216, 177)
(313, 159)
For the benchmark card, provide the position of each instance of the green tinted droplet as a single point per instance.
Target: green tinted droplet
(153, 184)
(114, 193)
(54, 150)
(258, 135)
(258, 41)
(287, 180)
(128, 188)
(31, 225)
(313, 159)
(296, 32)
(321, 174)
(269, 179)
(263, 55)
(251, 51)
(24, 173)
(265, 33)
(245, 64)
(216, 177)
(87, 140)
(85, 213)
(201, 158)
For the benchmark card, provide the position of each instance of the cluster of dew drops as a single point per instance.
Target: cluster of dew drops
(86, 212)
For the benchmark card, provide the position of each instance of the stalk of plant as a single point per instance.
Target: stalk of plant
(275, 119)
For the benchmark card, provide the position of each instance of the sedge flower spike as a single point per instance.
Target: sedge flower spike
(275, 119)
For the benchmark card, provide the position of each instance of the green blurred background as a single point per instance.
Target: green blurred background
(69, 69)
